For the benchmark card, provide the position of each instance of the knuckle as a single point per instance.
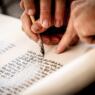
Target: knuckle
(84, 33)
(45, 11)
(78, 7)
(77, 3)
(73, 5)
(75, 9)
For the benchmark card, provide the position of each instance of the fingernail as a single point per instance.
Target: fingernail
(58, 50)
(55, 39)
(31, 12)
(58, 23)
(35, 29)
(46, 39)
(45, 23)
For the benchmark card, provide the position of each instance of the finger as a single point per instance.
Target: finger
(26, 23)
(50, 40)
(29, 7)
(37, 27)
(45, 13)
(54, 40)
(22, 4)
(46, 39)
(67, 38)
(59, 12)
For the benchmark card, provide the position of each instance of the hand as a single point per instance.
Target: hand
(81, 24)
(45, 21)
(47, 39)
(26, 25)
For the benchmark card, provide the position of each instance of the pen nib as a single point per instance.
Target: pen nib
(42, 50)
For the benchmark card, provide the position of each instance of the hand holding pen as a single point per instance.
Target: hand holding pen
(40, 38)
(49, 13)
(80, 24)
(31, 8)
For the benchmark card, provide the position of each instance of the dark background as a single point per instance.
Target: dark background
(10, 7)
